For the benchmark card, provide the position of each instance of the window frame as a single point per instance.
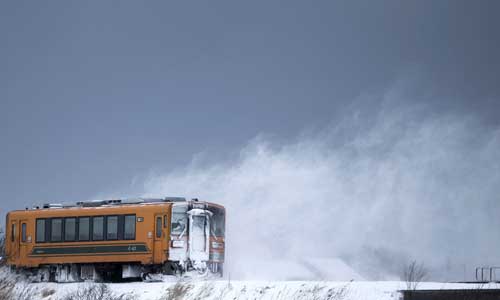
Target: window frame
(24, 234)
(46, 224)
(13, 232)
(75, 233)
(107, 227)
(88, 229)
(44, 230)
(103, 229)
(158, 227)
(184, 218)
(52, 227)
(124, 226)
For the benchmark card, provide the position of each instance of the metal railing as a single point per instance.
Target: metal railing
(486, 274)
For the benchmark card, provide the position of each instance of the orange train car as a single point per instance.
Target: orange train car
(114, 239)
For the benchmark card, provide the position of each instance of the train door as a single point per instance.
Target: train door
(178, 233)
(199, 235)
(160, 239)
(23, 238)
(14, 241)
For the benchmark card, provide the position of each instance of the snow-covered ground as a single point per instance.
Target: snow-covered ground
(230, 290)
(309, 280)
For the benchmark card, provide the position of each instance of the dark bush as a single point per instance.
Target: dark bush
(95, 292)
(177, 291)
(7, 288)
(2, 249)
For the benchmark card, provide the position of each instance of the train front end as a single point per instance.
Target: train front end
(197, 237)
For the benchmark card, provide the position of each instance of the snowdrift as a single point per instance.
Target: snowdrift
(230, 290)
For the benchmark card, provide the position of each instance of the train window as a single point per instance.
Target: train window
(165, 221)
(13, 233)
(179, 222)
(97, 228)
(121, 227)
(40, 230)
(56, 230)
(112, 227)
(218, 222)
(23, 232)
(158, 227)
(84, 229)
(69, 229)
(129, 232)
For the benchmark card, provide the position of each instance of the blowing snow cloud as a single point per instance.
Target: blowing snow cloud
(376, 188)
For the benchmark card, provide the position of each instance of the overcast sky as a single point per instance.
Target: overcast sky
(95, 94)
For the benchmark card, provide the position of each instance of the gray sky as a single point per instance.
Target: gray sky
(94, 94)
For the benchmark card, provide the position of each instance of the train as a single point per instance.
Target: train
(118, 239)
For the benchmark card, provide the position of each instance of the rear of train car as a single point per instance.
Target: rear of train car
(116, 239)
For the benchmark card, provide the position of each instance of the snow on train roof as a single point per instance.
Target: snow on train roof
(120, 202)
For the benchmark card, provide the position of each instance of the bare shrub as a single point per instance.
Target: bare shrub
(7, 287)
(337, 293)
(11, 289)
(313, 292)
(47, 292)
(413, 274)
(2, 249)
(24, 291)
(205, 291)
(177, 291)
(96, 292)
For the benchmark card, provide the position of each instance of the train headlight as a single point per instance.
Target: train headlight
(217, 245)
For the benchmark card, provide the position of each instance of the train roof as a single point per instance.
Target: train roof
(116, 203)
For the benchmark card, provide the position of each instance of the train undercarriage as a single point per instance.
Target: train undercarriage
(117, 272)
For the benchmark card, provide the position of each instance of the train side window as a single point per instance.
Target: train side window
(121, 226)
(56, 230)
(158, 227)
(40, 230)
(69, 229)
(23, 232)
(13, 233)
(129, 232)
(112, 227)
(165, 220)
(84, 229)
(97, 228)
